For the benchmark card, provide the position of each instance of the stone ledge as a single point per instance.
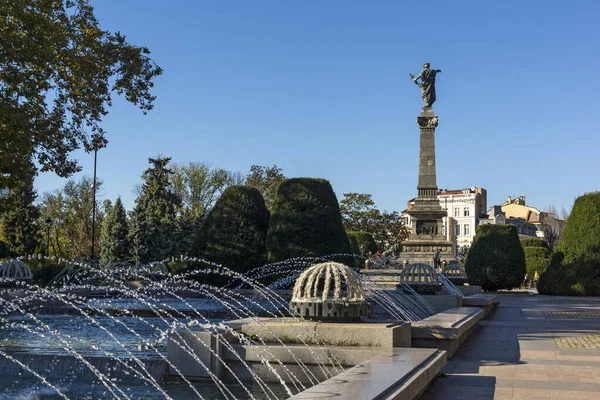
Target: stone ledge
(479, 300)
(447, 330)
(402, 375)
(369, 333)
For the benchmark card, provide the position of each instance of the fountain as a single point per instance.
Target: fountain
(455, 274)
(329, 291)
(14, 271)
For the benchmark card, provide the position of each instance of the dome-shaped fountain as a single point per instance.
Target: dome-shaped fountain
(15, 270)
(421, 277)
(329, 291)
(455, 274)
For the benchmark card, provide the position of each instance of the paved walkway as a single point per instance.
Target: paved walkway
(532, 347)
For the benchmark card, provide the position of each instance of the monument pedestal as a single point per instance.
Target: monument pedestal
(426, 215)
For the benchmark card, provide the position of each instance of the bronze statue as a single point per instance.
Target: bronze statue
(427, 84)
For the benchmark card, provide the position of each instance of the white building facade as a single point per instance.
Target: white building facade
(463, 206)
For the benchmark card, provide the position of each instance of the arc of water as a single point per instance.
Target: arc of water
(110, 385)
(38, 376)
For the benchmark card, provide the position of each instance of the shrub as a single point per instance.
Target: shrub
(4, 251)
(581, 236)
(305, 221)
(576, 270)
(43, 271)
(365, 241)
(534, 242)
(233, 234)
(536, 260)
(496, 259)
(177, 267)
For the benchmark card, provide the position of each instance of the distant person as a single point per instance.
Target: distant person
(436, 259)
(378, 255)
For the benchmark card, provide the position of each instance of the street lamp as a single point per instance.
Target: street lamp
(48, 225)
(98, 141)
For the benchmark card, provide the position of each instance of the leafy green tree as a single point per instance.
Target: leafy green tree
(365, 242)
(463, 251)
(154, 220)
(20, 219)
(234, 232)
(59, 71)
(496, 259)
(266, 180)
(359, 213)
(199, 185)
(305, 221)
(537, 260)
(114, 242)
(4, 250)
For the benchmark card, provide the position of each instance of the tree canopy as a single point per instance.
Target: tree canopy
(359, 213)
(58, 73)
(266, 180)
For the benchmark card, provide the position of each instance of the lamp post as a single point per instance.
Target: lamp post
(48, 225)
(94, 202)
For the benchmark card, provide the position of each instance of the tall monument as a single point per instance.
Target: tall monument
(426, 236)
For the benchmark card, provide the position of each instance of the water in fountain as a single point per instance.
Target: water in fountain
(449, 286)
(125, 351)
(401, 303)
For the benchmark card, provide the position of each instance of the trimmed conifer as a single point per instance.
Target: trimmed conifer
(234, 232)
(305, 221)
(20, 219)
(366, 242)
(496, 259)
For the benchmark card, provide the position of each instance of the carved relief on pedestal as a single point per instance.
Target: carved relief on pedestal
(427, 122)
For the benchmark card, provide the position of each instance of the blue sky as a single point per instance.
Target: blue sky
(321, 88)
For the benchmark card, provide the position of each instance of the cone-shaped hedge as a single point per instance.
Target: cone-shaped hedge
(305, 221)
(234, 232)
(365, 241)
(575, 268)
(496, 259)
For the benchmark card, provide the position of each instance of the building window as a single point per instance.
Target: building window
(467, 229)
(457, 212)
(466, 211)
(457, 226)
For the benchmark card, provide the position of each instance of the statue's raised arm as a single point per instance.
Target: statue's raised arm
(427, 84)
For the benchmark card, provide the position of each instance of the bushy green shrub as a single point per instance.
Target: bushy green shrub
(534, 242)
(4, 251)
(234, 232)
(581, 236)
(366, 242)
(496, 259)
(177, 267)
(536, 260)
(43, 271)
(305, 221)
(575, 268)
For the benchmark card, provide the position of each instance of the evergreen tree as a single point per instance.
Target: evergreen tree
(154, 221)
(305, 221)
(114, 245)
(234, 232)
(20, 218)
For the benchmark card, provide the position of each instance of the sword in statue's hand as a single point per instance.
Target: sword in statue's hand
(413, 78)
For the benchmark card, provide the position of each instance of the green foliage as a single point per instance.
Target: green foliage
(70, 212)
(43, 271)
(534, 242)
(536, 260)
(365, 242)
(463, 251)
(496, 259)
(20, 219)
(305, 221)
(581, 235)
(359, 214)
(198, 186)
(114, 243)
(59, 73)
(4, 251)
(234, 232)
(575, 267)
(153, 222)
(266, 180)
(177, 267)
